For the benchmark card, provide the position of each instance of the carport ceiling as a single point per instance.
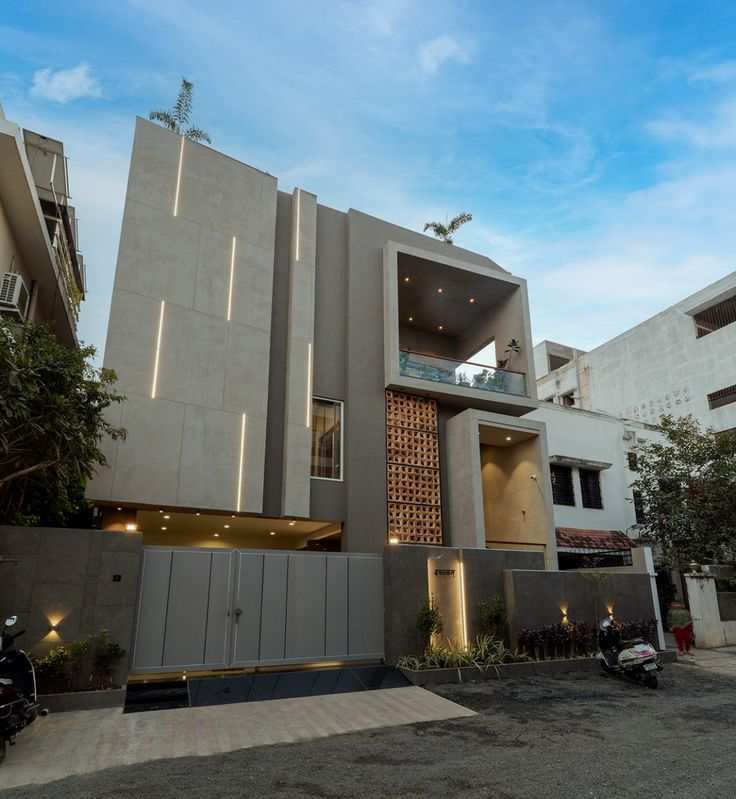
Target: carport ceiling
(421, 299)
(502, 436)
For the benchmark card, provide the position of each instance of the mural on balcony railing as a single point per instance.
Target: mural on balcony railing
(460, 373)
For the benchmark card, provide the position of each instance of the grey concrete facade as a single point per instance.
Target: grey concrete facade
(79, 581)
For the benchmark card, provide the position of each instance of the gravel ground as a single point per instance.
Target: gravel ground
(581, 735)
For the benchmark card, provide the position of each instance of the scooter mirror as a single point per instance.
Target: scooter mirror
(10, 621)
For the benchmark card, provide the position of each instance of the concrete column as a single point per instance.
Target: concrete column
(299, 357)
(644, 562)
(465, 494)
(707, 625)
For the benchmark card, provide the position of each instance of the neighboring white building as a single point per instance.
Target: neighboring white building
(683, 360)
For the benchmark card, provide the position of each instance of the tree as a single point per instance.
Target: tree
(177, 117)
(687, 486)
(446, 231)
(52, 420)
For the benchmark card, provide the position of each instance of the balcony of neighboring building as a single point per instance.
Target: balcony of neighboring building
(457, 332)
(38, 232)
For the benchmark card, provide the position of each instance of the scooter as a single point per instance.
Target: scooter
(18, 701)
(635, 658)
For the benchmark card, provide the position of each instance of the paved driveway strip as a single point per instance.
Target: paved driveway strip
(66, 744)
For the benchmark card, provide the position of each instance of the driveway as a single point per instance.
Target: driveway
(581, 735)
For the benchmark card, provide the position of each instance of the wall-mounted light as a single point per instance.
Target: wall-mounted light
(393, 539)
(564, 615)
(272, 533)
(411, 318)
(472, 299)
(119, 507)
(508, 438)
(406, 280)
(439, 291)
(292, 522)
(131, 527)
(439, 327)
(197, 513)
(217, 535)
(167, 516)
(160, 510)
(163, 528)
(609, 608)
(226, 526)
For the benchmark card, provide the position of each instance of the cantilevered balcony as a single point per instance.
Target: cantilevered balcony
(456, 328)
(423, 366)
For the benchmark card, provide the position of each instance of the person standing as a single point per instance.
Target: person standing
(680, 622)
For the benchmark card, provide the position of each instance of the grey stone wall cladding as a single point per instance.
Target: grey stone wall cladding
(533, 596)
(69, 575)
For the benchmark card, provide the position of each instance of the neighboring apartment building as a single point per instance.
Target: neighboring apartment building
(683, 360)
(41, 270)
(301, 392)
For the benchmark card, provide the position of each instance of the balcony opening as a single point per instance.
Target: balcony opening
(459, 327)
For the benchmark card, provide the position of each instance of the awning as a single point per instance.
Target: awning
(571, 538)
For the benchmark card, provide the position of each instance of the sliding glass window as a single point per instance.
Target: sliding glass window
(326, 439)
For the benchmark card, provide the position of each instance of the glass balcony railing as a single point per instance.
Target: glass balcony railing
(461, 373)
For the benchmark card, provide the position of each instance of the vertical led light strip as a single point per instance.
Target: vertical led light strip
(158, 349)
(232, 276)
(462, 601)
(242, 459)
(178, 177)
(309, 384)
(298, 222)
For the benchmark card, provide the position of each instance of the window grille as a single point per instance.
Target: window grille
(562, 489)
(590, 489)
(326, 439)
(714, 318)
(638, 507)
(724, 396)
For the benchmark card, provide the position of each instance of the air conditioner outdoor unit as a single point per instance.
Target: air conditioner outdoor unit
(13, 295)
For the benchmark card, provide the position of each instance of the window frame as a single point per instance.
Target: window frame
(341, 403)
(552, 468)
(583, 493)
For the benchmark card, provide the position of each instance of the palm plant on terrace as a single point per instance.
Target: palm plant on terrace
(177, 117)
(446, 231)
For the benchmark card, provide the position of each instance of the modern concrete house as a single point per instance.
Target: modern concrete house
(42, 274)
(312, 447)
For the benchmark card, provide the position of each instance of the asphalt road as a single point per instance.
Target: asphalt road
(581, 735)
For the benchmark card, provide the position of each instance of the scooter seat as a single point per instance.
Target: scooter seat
(631, 642)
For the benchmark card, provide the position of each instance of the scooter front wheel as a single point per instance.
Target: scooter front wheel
(650, 680)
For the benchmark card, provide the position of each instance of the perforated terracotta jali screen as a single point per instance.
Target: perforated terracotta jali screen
(413, 469)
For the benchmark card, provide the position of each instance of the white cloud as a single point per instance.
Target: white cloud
(436, 52)
(65, 84)
(717, 132)
(715, 73)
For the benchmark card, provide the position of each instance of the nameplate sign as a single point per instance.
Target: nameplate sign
(444, 572)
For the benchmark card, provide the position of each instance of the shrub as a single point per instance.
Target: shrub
(82, 665)
(493, 618)
(429, 619)
(483, 653)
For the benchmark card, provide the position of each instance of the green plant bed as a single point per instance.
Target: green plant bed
(484, 653)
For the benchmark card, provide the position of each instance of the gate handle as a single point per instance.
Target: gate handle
(237, 612)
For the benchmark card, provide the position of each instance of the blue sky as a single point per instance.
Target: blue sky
(593, 142)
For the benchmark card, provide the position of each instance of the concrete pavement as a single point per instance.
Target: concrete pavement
(721, 661)
(67, 744)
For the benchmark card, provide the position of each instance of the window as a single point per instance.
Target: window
(714, 318)
(549, 399)
(638, 507)
(562, 490)
(556, 362)
(326, 439)
(568, 400)
(723, 397)
(590, 489)
(633, 461)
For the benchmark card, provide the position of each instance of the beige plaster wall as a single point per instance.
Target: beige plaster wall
(514, 506)
(11, 259)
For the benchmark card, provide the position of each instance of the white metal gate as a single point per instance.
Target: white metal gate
(215, 608)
